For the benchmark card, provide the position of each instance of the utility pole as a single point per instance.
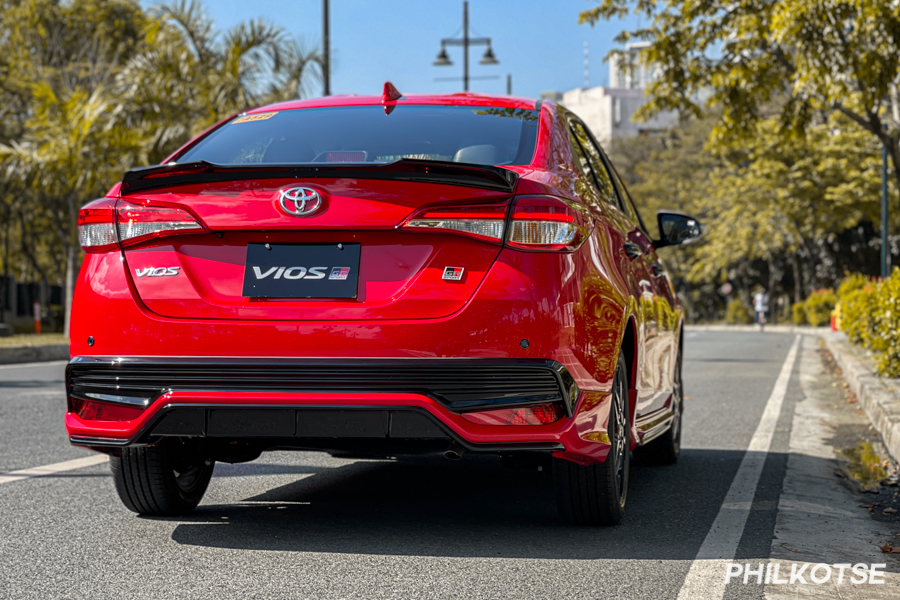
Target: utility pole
(465, 46)
(488, 59)
(885, 255)
(509, 84)
(326, 51)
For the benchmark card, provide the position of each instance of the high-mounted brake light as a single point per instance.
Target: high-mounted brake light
(542, 414)
(104, 224)
(482, 221)
(546, 223)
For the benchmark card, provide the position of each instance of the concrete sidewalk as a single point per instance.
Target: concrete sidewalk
(878, 396)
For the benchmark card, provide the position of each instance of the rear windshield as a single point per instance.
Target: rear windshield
(480, 135)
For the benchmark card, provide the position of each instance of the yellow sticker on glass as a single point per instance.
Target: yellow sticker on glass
(256, 117)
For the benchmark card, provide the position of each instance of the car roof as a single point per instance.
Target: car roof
(459, 99)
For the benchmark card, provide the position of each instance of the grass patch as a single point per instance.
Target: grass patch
(33, 340)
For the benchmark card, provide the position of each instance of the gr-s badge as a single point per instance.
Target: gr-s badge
(157, 272)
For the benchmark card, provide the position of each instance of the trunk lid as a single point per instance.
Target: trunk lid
(400, 272)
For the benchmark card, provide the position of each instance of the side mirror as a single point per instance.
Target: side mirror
(676, 229)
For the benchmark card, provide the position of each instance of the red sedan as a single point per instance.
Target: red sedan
(372, 277)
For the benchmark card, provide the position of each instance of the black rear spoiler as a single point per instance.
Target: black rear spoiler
(407, 169)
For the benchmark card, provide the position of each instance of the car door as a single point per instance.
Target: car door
(638, 256)
(665, 303)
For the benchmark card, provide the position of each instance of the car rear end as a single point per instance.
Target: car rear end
(352, 279)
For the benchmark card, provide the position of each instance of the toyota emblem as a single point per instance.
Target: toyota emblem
(300, 201)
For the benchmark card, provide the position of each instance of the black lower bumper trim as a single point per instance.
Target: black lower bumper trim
(303, 427)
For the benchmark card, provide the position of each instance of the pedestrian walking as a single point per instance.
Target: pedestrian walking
(760, 308)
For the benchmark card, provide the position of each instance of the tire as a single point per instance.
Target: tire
(666, 449)
(596, 494)
(163, 481)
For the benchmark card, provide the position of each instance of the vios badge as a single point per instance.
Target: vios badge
(300, 201)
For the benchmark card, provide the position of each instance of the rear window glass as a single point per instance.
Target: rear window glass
(354, 134)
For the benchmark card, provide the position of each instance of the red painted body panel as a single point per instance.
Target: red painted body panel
(571, 307)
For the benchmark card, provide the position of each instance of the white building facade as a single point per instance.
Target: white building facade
(608, 111)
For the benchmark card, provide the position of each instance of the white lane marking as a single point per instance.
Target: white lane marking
(49, 363)
(706, 578)
(69, 465)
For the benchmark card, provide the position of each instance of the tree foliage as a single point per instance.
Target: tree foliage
(89, 88)
(797, 98)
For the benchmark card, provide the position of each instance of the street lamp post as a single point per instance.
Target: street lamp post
(444, 61)
(326, 54)
(885, 254)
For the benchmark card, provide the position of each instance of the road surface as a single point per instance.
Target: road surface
(755, 484)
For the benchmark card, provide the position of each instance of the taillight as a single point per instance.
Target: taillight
(542, 414)
(97, 225)
(90, 410)
(545, 223)
(103, 224)
(138, 222)
(482, 221)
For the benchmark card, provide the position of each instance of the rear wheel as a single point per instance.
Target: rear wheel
(666, 449)
(596, 494)
(165, 480)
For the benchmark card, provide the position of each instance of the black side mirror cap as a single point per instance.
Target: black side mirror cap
(676, 229)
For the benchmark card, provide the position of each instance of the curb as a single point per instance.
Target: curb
(28, 354)
(878, 396)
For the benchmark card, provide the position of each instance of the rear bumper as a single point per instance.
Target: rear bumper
(394, 406)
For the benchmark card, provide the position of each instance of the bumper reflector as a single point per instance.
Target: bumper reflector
(90, 410)
(542, 414)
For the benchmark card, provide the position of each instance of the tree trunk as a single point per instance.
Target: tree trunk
(798, 278)
(4, 286)
(894, 153)
(70, 288)
(773, 276)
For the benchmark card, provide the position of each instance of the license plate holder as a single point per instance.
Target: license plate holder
(301, 271)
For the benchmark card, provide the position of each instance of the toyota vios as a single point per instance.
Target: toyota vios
(371, 277)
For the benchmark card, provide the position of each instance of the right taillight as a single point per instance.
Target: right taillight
(548, 224)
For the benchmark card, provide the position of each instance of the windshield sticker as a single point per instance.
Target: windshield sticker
(256, 117)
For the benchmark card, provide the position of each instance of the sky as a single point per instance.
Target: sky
(538, 42)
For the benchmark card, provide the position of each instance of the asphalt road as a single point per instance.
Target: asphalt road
(305, 525)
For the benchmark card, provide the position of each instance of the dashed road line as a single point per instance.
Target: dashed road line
(69, 465)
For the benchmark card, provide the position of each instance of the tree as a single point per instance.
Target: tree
(762, 203)
(802, 60)
(89, 88)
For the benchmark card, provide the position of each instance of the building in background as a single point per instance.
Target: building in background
(608, 111)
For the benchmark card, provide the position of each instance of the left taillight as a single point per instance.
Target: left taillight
(138, 222)
(97, 225)
(482, 221)
(105, 223)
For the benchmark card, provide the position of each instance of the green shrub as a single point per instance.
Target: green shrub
(857, 310)
(798, 313)
(886, 338)
(737, 313)
(819, 306)
(851, 283)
